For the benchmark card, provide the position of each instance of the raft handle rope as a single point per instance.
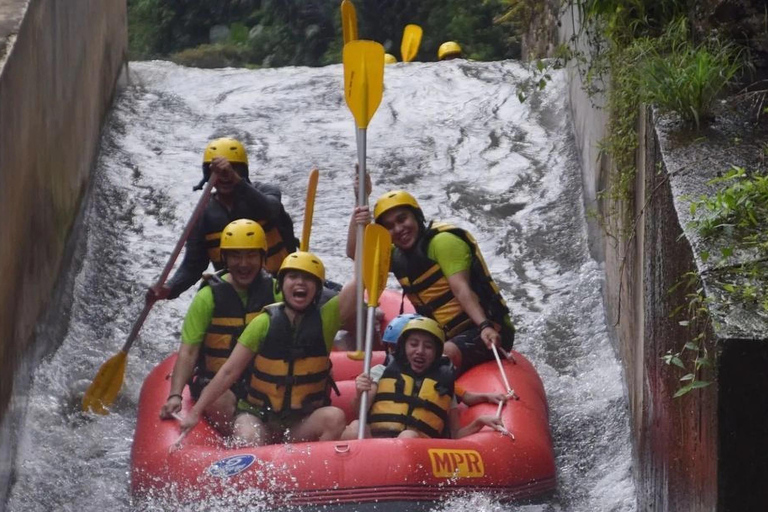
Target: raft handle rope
(510, 392)
(177, 444)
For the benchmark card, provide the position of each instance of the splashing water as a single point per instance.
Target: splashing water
(452, 133)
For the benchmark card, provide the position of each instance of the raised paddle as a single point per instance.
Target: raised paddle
(363, 86)
(376, 253)
(106, 385)
(348, 21)
(309, 209)
(409, 46)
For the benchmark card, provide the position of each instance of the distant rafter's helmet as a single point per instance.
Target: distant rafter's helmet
(449, 49)
(306, 262)
(390, 59)
(394, 199)
(227, 147)
(243, 234)
(395, 327)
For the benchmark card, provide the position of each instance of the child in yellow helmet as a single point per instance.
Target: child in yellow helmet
(414, 395)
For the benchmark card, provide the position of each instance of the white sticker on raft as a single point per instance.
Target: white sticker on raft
(231, 466)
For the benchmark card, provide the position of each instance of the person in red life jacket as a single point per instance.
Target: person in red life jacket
(235, 198)
(217, 316)
(287, 347)
(414, 394)
(444, 275)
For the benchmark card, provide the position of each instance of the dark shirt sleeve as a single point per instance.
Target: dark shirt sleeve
(263, 201)
(193, 265)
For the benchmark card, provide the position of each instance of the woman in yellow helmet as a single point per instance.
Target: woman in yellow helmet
(287, 347)
(235, 198)
(216, 318)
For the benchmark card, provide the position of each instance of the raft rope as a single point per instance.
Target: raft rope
(510, 392)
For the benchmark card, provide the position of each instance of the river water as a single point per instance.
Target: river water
(452, 133)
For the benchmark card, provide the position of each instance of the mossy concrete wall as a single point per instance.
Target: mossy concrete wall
(59, 61)
(702, 451)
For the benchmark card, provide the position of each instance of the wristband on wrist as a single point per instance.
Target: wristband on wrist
(173, 395)
(486, 323)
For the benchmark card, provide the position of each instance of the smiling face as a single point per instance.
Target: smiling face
(402, 225)
(299, 289)
(243, 265)
(420, 350)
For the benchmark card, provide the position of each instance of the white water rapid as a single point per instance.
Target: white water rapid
(452, 133)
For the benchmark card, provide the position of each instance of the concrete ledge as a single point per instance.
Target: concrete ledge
(59, 62)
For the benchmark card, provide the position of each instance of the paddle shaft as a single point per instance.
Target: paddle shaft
(362, 200)
(201, 204)
(363, 417)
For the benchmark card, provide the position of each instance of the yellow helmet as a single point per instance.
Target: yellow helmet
(390, 59)
(305, 261)
(229, 148)
(393, 199)
(449, 49)
(425, 324)
(243, 234)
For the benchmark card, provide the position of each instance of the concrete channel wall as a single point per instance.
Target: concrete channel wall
(703, 451)
(59, 61)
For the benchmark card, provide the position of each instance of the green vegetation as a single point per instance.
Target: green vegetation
(738, 212)
(695, 355)
(640, 52)
(734, 218)
(307, 33)
(657, 52)
(686, 78)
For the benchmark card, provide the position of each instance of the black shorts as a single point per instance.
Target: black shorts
(197, 384)
(473, 350)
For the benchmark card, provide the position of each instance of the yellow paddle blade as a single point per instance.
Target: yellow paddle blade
(106, 385)
(309, 209)
(411, 42)
(363, 79)
(357, 355)
(377, 249)
(348, 21)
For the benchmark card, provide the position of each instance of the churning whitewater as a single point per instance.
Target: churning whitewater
(452, 133)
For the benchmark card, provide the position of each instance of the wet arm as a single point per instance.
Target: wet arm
(184, 366)
(475, 426)
(230, 371)
(371, 391)
(182, 371)
(360, 216)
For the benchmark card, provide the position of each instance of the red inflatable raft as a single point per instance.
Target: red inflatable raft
(352, 472)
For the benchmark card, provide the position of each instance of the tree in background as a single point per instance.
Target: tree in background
(471, 24)
(307, 32)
